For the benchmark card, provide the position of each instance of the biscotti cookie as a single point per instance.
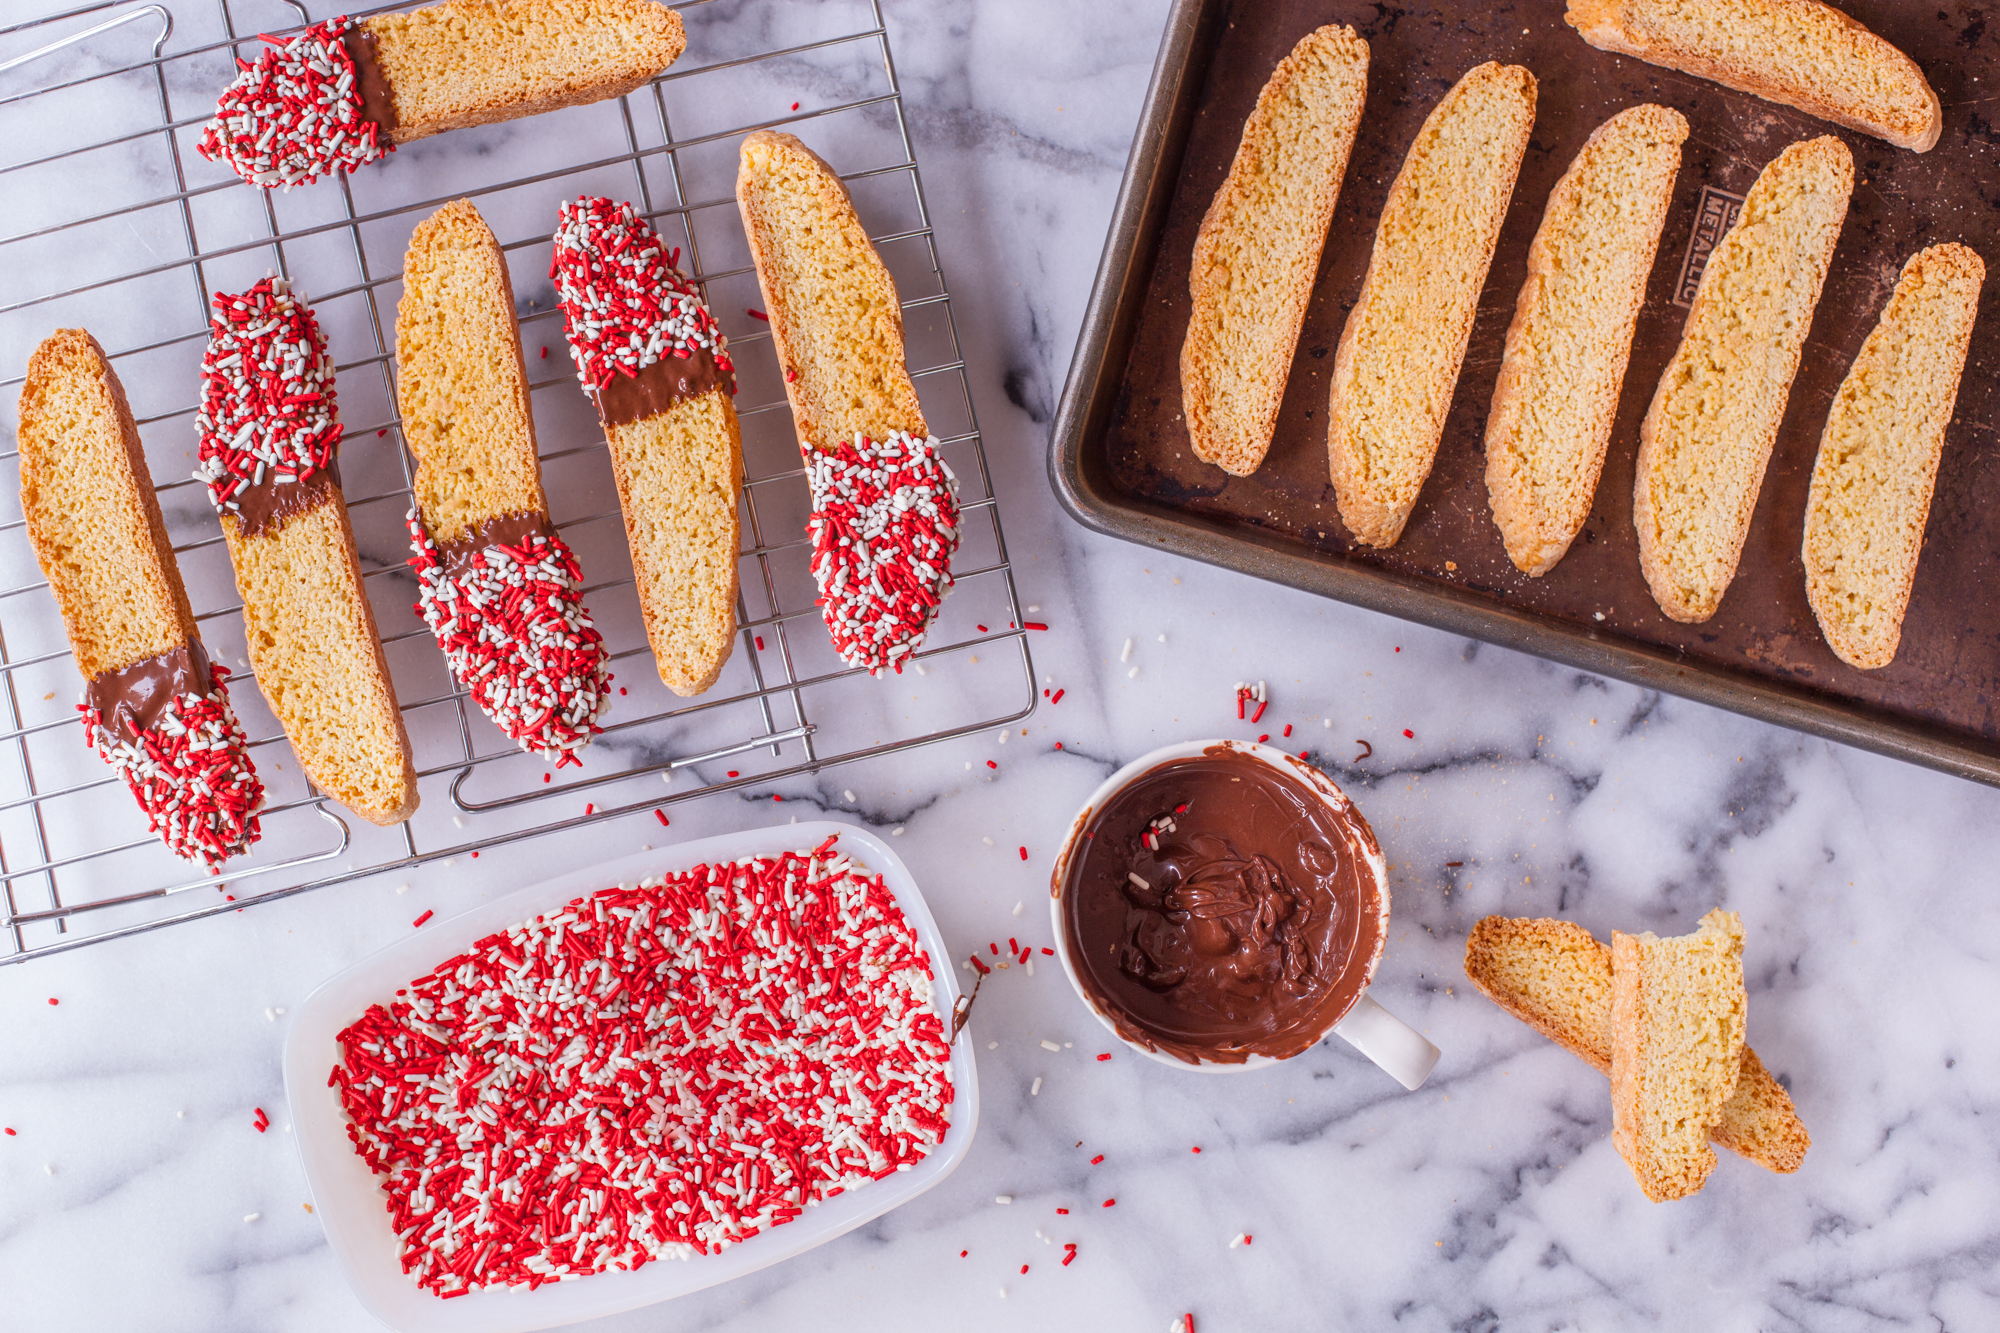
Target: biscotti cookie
(885, 518)
(496, 584)
(154, 707)
(1555, 977)
(1706, 440)
(1677, 1010)
(657, 368)
(1405, 339)
(345, 92)
(1878, 458)
(1571, 338)
(270, 432)
(1259, 246)
(1797, 52)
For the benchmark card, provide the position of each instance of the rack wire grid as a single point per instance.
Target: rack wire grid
(114, 223)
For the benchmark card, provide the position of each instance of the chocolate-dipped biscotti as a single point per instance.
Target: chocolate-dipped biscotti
(497, 586)
(270, 433)
(657, 368)
(344, 92)
(154, 707)
(885, 518)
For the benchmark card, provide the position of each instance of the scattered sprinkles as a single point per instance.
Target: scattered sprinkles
(625, 302)
(295, 115)
(260, 1121)
(267, 405)
(652, 1072)
(516, 635)
(190, 772)
(884, 526)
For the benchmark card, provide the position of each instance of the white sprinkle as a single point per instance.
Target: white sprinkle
(1326, 722)
(49, 1167)
(1035, 1090)
(1163, 638)
(968, 765)
(1048, 1045)
(1003, 1198)
(667, 776)
(270, 1015)
(895, 832)
(987, 841)
(1598, 614)
(1033, 609)
(992, 1045)
(1236, 1240)
(1020, 908)
(1133, 674)
(1068, 1044)
(180, 1115)
(1003, 1293)
(458, 821)
(645, 846)
(1030, 965)
(402, 888)
(450, 861)
(251, 1217)
(1133, 876)
(1126, 656)
(919, 666)
(1003, 735)
(281, 1008)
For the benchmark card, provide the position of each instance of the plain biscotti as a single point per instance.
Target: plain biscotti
(1707, 438)
(1677, 1010)
(1571, 338)
(1878, 458)
(1556, 977)
(1258, 249)
(1405, 339)
(1797, 52)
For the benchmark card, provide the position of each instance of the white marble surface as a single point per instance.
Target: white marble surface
(1490, 1200)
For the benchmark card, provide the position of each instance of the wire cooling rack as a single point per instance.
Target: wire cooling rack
(111, 221)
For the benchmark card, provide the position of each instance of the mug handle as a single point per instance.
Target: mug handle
(1404, 1053)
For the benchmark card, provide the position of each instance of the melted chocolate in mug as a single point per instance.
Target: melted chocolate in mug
(1217, 908)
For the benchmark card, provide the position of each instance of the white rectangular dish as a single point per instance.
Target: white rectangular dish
(349, 1202)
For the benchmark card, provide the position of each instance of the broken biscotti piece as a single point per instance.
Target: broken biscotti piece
(1706, 440)
(153, 705)
(1571, 338)
(1878, 458)
(1798, 52)
(269, 436)
(1677, 1008)
(496, 585)
(885, 515)
(344, 92)
(1556, 977)
(1405, 339)
(1259, 246)
(657, 367)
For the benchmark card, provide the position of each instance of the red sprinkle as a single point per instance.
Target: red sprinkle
(982, 629)
(1246, 1238)
(1024, 856)
(1409, 734)
(1265, 737)
(1059, 745)
(991, 764)
(589, 807)
(982, 968)
(1258, 716)
(1033, 624)
(1109, 1202)
(758, 314)
(545, 354)
(1187, 1323)
(795, 107)
(1057, 697)
(1197, 1148)
(993, 947)
(734, 774)
(1024, 1268)
(54, 1000)
(425, 917)
(1063, 1211)
(10, 1131)
(760, 643)
(661, 815)
(1288, 729)
(1069, 1250)
(1050, 952)
(963, 1253)
(1095, 1160)
(1104, 1055)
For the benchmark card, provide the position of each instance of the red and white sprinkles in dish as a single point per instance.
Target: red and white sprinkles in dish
(267, 404)
(650, 1073)
(295, 115)
(625, 302)
(516, 635)
(883, 529)
(190, 772)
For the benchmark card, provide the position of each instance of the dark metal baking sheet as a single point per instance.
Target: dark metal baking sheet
(1121, 462)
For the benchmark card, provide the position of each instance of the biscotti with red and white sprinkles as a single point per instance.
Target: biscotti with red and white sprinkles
(654, 1072)
(153, 707)
(269, 435)
(885, 518)
(496, 584)
(657, 368)
(344, 92)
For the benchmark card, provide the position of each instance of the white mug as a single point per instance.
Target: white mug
(1399, 1049)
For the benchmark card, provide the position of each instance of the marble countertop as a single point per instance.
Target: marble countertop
(1491, 1199)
